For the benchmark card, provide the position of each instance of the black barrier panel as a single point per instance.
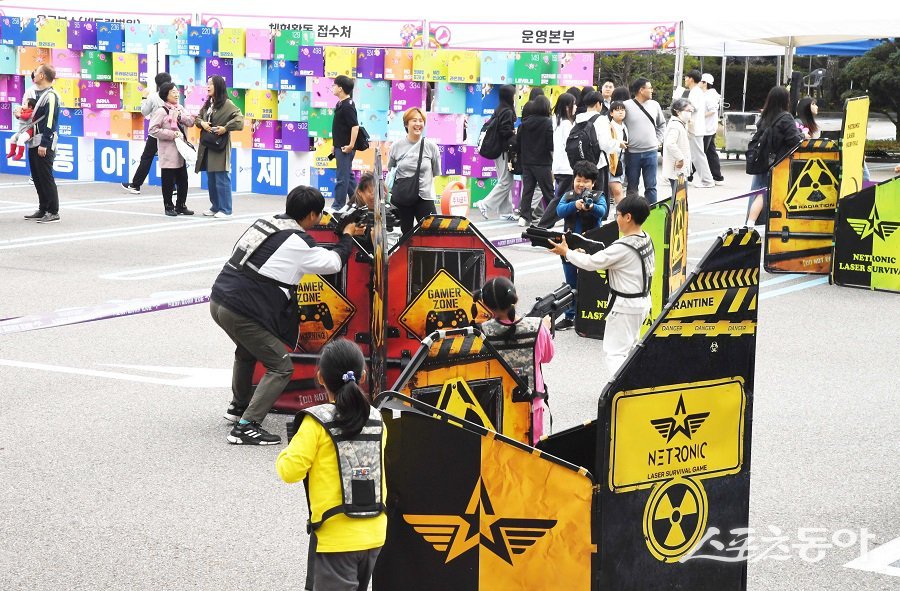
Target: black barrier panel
(471, 509)
(867, 239)
(673, 435)
(593, 289)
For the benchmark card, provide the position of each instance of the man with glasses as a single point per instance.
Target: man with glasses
(646, 127)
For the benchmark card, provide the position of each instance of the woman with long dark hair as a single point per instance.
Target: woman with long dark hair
(500, 197)
(784, 135)
(807, 109)
(218, 117)
(346, 431)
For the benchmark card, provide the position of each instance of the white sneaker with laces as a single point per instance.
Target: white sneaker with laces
(220, 215)
(209, 213)
(522, 223)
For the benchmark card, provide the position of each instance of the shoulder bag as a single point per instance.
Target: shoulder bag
(405, 192)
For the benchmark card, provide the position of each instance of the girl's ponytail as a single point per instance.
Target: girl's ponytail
(341, 366)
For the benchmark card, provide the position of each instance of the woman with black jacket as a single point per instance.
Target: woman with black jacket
(535, 142)
(785, 135)
(500, 197)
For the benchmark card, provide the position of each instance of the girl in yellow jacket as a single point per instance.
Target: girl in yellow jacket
(339, 450)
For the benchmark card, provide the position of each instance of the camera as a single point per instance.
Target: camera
(588, 201)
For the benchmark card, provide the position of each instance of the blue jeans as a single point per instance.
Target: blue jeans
(219, 191)
(571, 273)
(344, 185)
(641, 163)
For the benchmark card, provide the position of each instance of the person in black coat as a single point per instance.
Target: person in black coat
(535, 143)
(784, 137)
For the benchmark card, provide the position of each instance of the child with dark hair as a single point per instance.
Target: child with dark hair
(20, 139)
(581, 209)
(618, 136)
(629, 263)
(525, 343)
(339, 452)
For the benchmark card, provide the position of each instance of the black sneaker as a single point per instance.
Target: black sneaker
(565, 324)
(252, 434)
(49, 218)
(170, 211)
(183, 211)
(234, 413)
(35, 216)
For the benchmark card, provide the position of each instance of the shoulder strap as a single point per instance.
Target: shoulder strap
(421, 152)
(649, 116)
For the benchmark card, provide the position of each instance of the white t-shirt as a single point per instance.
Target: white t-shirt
(560, 135)
(697, 96)
(712, 110)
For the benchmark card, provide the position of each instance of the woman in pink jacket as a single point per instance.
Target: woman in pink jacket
(167, 123)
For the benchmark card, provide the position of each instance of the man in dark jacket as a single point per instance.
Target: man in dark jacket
(42, 146)
(254, 300)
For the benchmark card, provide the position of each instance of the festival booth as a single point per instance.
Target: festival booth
(667, 227)
(633, 500)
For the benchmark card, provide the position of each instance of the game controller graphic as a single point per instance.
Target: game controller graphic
(317, 313)
(447, 320)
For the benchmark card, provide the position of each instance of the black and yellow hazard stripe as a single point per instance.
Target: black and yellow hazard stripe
(820, 144)
(742, 237)
(677, 328)
(447, 349)
(725, 279)
(446, 223)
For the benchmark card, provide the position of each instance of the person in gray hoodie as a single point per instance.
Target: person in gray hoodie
(149, 105)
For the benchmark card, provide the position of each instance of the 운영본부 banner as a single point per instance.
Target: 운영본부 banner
(552, 36)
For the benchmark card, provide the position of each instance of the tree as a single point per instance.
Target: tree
(877, 73)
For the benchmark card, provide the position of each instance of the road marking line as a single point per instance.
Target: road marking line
(199, 377)
(792, 288)
(881, 560)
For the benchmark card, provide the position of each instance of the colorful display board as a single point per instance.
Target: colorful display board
(867, 240)
(279, 72)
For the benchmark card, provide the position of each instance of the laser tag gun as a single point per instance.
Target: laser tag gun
(554, 304)
(361, 216)
(540, 236)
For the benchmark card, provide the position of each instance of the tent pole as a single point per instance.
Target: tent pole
(721, 108)
(778, 70)
(679, 54)
(746, 73)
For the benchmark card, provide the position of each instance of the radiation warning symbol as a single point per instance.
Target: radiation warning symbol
(324, 311)
(815, 188)
(444, 304)
(674, 518)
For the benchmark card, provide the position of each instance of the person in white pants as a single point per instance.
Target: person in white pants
(629, 262)
(702, 178)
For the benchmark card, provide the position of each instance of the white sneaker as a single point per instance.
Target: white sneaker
(719, 183)
(221, 215)
(482, 210)
(209, 213)
(509, 217)
(522, 223)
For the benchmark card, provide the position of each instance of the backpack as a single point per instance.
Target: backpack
(582, 143)
(362, 140)
(759, 156)
(489, 143)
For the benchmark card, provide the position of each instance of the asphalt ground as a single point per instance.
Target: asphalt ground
(115, 472)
